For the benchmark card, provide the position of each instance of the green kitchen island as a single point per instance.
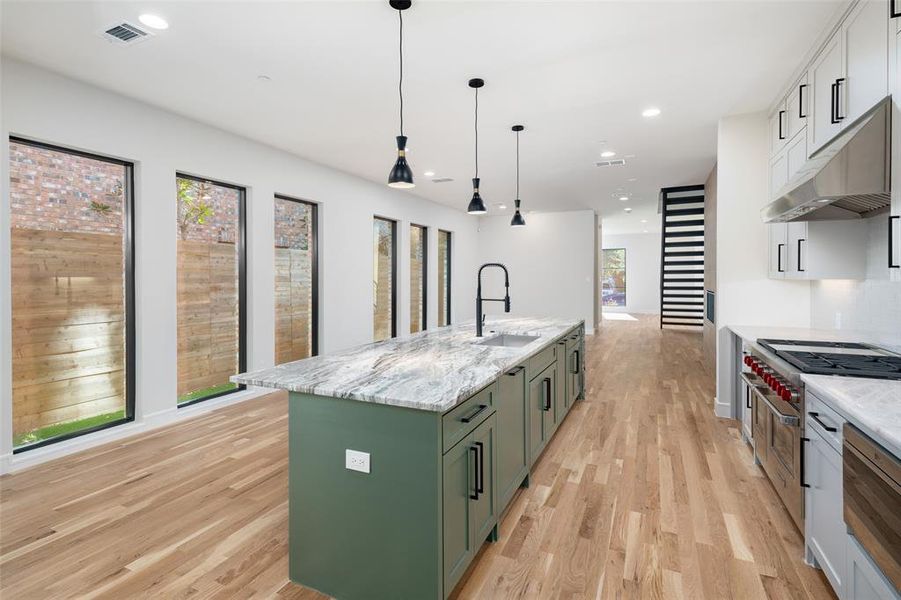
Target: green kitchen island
(404, 453)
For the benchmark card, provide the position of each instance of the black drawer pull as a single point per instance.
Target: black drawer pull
(480, 481)
(475, 494)
(546, 387)
(576, 362)
(515, 371)
(816, 417)
(469, 418)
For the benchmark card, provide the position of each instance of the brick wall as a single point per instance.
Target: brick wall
(219, 226)
(293, 224)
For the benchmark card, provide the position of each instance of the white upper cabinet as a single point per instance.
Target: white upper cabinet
(865, 39)
(778, 129)
(797, 107)
(824, 75)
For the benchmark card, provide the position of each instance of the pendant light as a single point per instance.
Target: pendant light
(517, 220)
(401, 175)
(476, 205)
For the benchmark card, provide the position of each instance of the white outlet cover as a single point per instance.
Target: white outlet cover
(354, 460)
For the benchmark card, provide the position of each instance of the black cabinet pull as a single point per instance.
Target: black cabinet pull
(480, 481)
(475, 465)
(801, 113)
(748, 396)
(891, 243)
(546, 387)
(515, 371)
(576, 362)
(894, 9)
(779, 258)
(475, 414)
(832, 118)
(799, 254)
(781, 132)
(801, 475)
(838, 100)
(816, 417)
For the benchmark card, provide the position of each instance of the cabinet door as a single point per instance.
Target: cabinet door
(512, 427)
(797, 108)
(778, 233)
(778, 129)
(825, 71)
(550, 392)
(864, 579)
(747, 417)
(562, 383)
(778, 174)
(459, 485)
(866, 59)
(483, 510)
(824, 524)
(760, 413)
(795, 156)
(796, 250)
(537, 403)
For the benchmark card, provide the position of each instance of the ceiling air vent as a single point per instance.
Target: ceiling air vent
(617, 162)
(125, 33)
(442, 179)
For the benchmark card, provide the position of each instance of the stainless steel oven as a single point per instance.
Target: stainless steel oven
(872, 500)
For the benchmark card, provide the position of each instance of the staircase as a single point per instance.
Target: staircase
(682, 258)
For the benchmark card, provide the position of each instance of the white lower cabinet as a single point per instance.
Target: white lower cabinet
(864, 580)
(824, 526)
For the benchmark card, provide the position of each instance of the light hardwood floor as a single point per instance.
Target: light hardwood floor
(643, 493)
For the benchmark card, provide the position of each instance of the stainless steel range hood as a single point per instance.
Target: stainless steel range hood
(848, 178)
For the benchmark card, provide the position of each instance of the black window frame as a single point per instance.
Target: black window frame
(449, 260)
(129, 274)
(424, 275)
(241, 244)
(315, 274)
(393, 223)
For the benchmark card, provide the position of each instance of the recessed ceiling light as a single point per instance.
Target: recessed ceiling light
(627, 209)
(644, 220)
(264, 78)
(607, 153)
(502, 206)
(652, 111)
(623, 198)
(645, 231)
(632, 179)
(429, 173)
(153, 21)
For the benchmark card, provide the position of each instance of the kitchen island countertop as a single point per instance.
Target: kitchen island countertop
(433, 370)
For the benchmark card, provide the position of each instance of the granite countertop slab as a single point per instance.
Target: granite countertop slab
(752, 333)
(873, 405)
(433, 370)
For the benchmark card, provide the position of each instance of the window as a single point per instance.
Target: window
(211, 288)
(384, 281)
(73, 365)
(418, 277)
(613, 277)
(444, 278)
(296, 280)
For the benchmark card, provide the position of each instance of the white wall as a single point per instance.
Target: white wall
(642, 270)
(873, 304)
(745, 294)
(44, 106)
(550, 260)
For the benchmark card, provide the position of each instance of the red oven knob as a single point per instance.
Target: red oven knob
(786, 394)
(768, 379)
(747, 360)
(780, 389)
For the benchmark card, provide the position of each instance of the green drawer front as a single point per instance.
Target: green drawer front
(541, 360)
(462, 419)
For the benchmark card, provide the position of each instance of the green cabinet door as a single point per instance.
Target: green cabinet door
(459, 485)
(512, 427)
(561, 393)
(549, 378)
(541, 409)
(483, 508)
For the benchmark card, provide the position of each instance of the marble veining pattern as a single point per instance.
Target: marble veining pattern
(873, 405)
(432, 370)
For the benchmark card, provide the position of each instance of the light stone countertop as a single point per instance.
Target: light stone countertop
(433, 370)
(752, 333)
(873, 405)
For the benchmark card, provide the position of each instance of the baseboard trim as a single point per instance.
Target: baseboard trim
(12, 463)
(722, 409)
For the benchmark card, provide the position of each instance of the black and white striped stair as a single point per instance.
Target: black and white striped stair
(682, 257)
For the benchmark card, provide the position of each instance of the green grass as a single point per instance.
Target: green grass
(197, 394)
(58, 429)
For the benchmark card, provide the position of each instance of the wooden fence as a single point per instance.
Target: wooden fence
(68, 326)
(293, 298)
(207, 314)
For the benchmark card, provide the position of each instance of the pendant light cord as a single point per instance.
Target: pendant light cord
(517, 165)
(477, 133)
(400, 84)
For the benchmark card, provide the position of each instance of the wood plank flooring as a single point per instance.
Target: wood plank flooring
(643, 493)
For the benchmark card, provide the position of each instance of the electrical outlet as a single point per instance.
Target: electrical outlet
(354, 460)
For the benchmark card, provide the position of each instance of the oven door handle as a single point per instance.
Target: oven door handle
(750, 383)
(784, 419)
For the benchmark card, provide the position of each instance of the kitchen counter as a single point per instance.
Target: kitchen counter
(433, 370)
(752, 333)
(873, 405)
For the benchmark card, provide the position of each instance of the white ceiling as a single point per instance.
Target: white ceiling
(576, 74)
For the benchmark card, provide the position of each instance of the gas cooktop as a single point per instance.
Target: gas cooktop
(836, 358)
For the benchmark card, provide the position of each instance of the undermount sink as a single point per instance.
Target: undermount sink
(509, 340)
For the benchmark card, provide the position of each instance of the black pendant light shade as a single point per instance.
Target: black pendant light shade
(476, 205)
(401, 175)
(517, 220)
